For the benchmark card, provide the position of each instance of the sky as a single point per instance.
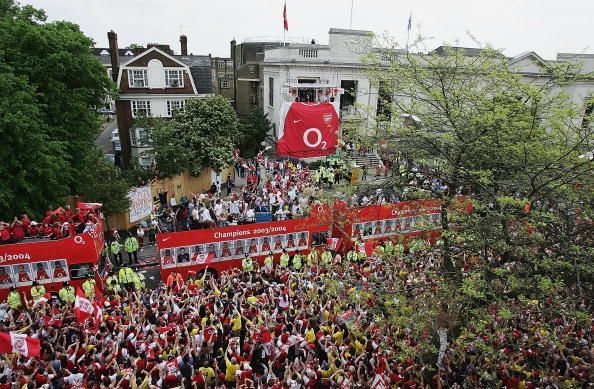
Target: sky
(547, 27)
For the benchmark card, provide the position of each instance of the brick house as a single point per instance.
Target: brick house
(153, 82)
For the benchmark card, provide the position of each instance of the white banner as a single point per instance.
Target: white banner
(141, 203)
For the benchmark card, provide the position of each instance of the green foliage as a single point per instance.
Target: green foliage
(50, 85)
(203, 134)
(107, 185)
(254, 131)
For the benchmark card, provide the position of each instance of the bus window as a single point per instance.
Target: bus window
(319, 238)
(80, 270)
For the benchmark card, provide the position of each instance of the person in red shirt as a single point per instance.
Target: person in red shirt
(290, 242)
(4, 234)
(197, 251)
(168, 258)
(33, 229)
(239, 248)
(59, 271)
(278, 244)
(302, 241)
(4, 277)
(41, 274)
(23, 276)
(253, 249)
(56, 231)
(226, 251)
(266, 244)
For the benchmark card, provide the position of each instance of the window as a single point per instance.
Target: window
(142, 137)
(145, 161)
(349, 97)
(225, 84)
(137, 78)
(221, 74)
(80, 270)
(253, 99)
(173, 105)
(271, 91)
(252, 69)
(229, 74)
(141, 108)
(174, 78)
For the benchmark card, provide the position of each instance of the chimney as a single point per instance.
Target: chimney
(183, 40)
(112, 37)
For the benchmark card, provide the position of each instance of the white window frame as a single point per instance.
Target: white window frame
(133, 137)
(140, 75)
(140, 158)
(252, 69)
(220, 74)
(135, 104)
(229, 74)
(220, 64)
(179, 78)
(172, 105)
(225, 84)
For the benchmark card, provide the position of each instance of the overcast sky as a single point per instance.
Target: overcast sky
(544, 26)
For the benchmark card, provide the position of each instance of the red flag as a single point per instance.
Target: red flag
(286, 22)
(91, 206)
(333, 243)
(83, 309)
(203, 259)
(19, 343)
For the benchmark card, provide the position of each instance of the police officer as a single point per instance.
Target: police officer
(312, 258)
(127, 278)
(247, 263)
(269, 262)
(326, 258)
(139, 280)
(115, 248)
(351, 256)
(14, 298)
(284, 259)
(113, 284)
(131, 247)
(89, 286)
(37, 291)
(297, 262)
(67, 293)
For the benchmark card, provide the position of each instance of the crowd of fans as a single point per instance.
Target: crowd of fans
(319, 325)
(57, 224)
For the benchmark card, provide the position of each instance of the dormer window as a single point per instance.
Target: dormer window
(104, 52)
(137, 78)
(129, 53)
(174, 78)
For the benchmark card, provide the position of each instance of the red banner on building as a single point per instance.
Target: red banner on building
(307, 130)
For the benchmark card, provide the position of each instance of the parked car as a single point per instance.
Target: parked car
(105, 111)
(115, 140)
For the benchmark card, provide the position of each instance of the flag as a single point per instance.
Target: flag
(204, 259)
(98, 316)
(409, 21)
(13, 342)
(83, 309)
(333, 243)
(91, 206)
(286, 22)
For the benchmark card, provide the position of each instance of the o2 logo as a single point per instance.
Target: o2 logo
(318, 137)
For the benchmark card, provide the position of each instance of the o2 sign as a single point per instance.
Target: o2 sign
(319, 139)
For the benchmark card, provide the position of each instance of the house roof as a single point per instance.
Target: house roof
(468, 51)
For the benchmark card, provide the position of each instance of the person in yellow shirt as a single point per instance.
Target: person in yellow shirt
(208, 373)
(310, 335)
(232, 367)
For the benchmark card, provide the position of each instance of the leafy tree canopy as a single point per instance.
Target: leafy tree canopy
(254, 131)
(50, 86)
(201, 135)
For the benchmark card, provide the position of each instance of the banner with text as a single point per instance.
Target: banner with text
(141, 203)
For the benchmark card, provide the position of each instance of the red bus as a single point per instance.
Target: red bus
(50, 262)
(406, 219)
(179, 250)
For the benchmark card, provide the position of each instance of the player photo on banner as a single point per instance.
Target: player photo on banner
(6, 277)
(226, 252)
(22, 274)
(367, 230)
(265, 244)
(41, 272)
(303, 240)
(357, 230)
(377, 229)
(212, 249)
(291, 244)
(278, 244)
(167, 258)
(390, 227)
(238, 249)
(182, 254)
(197, 250)
(252, 246)
(59, 270)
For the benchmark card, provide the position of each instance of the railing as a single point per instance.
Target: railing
(308, 53)
(276, 39)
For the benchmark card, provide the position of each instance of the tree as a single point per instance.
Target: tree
(202, 134)
(50, 86)
(106, 186)
(482, 129)
(254, 131)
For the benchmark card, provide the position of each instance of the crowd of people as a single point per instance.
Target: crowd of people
(57, 224)
(319, 321)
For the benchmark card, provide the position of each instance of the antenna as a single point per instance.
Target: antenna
(351, 21)
(181, 27)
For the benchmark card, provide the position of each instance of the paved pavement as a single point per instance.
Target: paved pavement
(104, 139)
